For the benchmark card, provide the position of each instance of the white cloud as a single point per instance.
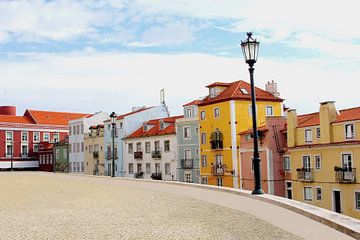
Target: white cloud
(90, 81)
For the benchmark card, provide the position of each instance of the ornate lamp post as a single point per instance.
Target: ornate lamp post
(250, 49)
(113, 123)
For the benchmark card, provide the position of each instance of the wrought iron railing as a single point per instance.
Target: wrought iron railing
(156, 154)
(138, 155)
(219, 169)
(156, 176)
(187, 163)
(345, 175)
(305, 174)
(216, 145)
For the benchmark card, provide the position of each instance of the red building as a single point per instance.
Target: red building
(272, 147)
(20, 136)
(46, 157)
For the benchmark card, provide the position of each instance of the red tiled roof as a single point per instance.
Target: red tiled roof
(53, 118)
(155, 129)
(16, 119)
(219, 84)
(97, 126)
(133, 112)
(195, 102)
(233, 91)
(313, 119)
(261, 129)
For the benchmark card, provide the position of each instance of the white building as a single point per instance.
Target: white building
(77, 129)
(150, 151)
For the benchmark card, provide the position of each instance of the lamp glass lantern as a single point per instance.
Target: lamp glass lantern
(250, 49)
(113, 117)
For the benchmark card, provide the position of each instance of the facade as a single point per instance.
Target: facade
(78, 128)
(272, 146)
(94, 151)
(150, 151)
(188, 148)
(125, 125)
(46, 157)
(324, 150)
(223, 114)
(20, 136)
(61, 155)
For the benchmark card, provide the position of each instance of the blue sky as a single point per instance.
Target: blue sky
(111, 55)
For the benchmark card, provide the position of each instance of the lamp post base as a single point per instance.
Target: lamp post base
(257, 192)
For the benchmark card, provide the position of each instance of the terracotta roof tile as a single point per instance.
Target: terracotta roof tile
(233, 91)
(306, 120)
(221, 84)
(349, 114)
(195, 102)
(53, 118)
(16, 119)
(155, 129)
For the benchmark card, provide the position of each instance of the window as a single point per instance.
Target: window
(147, 147)
(70, 130)
(248, 137)
(269, 111)
(219, 182)
(148, 168)
(196, 152)
(308, 193)
(82, 128)
(36, 137)
(138, 147)
(167, 146)
(24, 150)
(74, 133)
(203, 138)
(203, 161)
(130, 148)
(36, 147)
(161, 125)
(82, 147)
(216, 112)
(308, 136)
(347, 161)
(157, 167)
(56, 137)
(349, 131)
(204, 180)
(167, 169)
(120, 125)
(306, 162)
(78, 147)
(24, 136)
(139, 168)
(188, 113)
(317, 162)
(187, 154)
(131, 168)
(77, 129)
(318, 134)
(157, 146)
(9, 150)
(202, 115)
(187, 133)
(244, 91)
(9, 136)
(357, 200)
(287, 163)
(318, 193)
(46, 137)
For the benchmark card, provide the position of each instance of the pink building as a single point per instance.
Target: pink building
(272, 147)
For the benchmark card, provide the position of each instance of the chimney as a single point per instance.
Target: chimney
(271, 87)
(8, 110)
(328, 115)
(291, 127)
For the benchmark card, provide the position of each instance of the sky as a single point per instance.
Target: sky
(89, 56)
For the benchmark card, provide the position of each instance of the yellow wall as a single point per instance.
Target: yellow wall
(90, 161)
(244, 122)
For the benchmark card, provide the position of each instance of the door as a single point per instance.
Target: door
(347, 162)
(157, 167)
(289, 190)
(337, 202)
(306, 163)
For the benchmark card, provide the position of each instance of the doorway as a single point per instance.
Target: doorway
(337, 201)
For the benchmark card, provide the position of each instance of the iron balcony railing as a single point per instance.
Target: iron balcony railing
(156, 176)
(187, 163)
(139, 175)
(216, 145)
(138, 155)
(219, 169)
(305, 174)
(96, 154)
(345, 175)
(156, 154)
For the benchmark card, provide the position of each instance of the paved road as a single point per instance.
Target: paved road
(35, 205)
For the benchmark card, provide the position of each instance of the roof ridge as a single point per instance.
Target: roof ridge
(236, 88)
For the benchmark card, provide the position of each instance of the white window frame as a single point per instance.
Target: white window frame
(185, 155)
(131, 168)
(311, 195)
(27, 147)
(148, 167)
(38, 136)
(317, 157)
(12, 136)
(202, 115)
(147, 147)
(288, 188)
(203, 160)
(308, 138)
(316, 193)
(184, 130)
(318, 133)
(217, 113)
(56, 137)
(357, 201)
(46, 134)
(203, 138)
(352, 135)
(130, 149)
(167, 150)
(34, 146)
(342, 159)
(266, 110)
(25, 134)
(289, 163)
(188, 112)
(167, 169)
(309, 157)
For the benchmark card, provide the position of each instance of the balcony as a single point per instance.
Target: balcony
(96, 154)
(138, 155)
(139, 175)
(218, 170)
(156, 176)
(156, 154)
(187, 163)
(305, 174)
(345, 175)
(216, 145)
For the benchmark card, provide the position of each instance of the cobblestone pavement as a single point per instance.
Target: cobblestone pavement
(36, 205)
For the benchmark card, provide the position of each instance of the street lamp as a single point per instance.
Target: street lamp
(113, 123)
(250, 49)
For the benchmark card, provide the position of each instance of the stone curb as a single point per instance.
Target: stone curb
(347, 225)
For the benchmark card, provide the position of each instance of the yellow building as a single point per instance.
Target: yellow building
(223, 114)
(94, 151)
(324, 149)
